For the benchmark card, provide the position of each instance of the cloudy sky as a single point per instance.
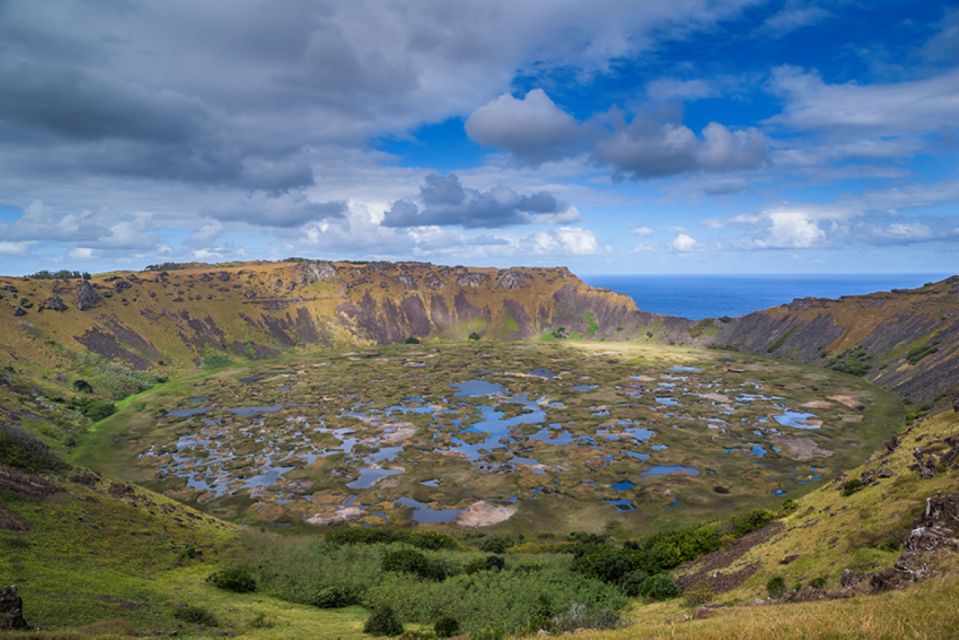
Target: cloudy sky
(673, 136)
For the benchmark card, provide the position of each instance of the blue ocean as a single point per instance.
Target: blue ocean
(713, 296)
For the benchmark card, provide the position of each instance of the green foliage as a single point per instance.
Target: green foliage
(701, 328)
(412, 340)
(850, 487)
(580, 617)
(781, 340)
(752, 521)
(631, 581)
(496, 545)
(433, 540)
(233, 579)
(672, 548)
(216, 361)
(63, 274)
(818, 583)
(776, 587)
(93, 408)
(334, 597)
(21, 450)
(658, 587)
(383, 622)
(725, 319)
(167, 266)
(410, 561)
(852, 361)
(195, 615)
(446, 627)
(106, 377)
(474, 335)
(918, 353)
(489, 563)
(82, 386)
(557, 333)
(592, 326)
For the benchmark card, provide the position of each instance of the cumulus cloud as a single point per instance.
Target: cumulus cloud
(684, 242)
(533, 128)
(444, 201)
(572, 241)
(645, 148)
(794, 15)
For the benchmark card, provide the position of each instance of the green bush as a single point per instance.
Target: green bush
(412, 340)
(446, 627)
(850, 487)
(658, 587)
(752, 521)
(920, 352)
(432, 540)
(334, 598)
(82, 386)
(236, 580)
(776, 587)
(818, 583)
(474, 336)
(383, 622)
(631, 582)
(410, 561)
(195, 615)
(93, 408)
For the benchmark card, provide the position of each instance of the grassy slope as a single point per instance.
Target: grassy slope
(830, 532)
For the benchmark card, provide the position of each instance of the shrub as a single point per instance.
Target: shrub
(631, 582)
(432, 540)
(489, 563)
(410, 561)
(446, 627)
(412, 340)
(818, 583)
(612, 565)
(474, 336)
(495, 545)
(21, 450)
(383, 622)
(82, 386)
(579, 617)
(334, 598)
(852, 486)
(93, 408)
(195, 615)
(757, 519)
(235, 580)
(776, 587)
(658, 587)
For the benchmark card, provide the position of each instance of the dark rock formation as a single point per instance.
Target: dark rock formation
(54, 303)
(11, 610)
(87, 296)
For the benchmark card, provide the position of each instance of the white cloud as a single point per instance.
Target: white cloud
(81, 253)
(668, 89)
(684, 242)
(8, 248)
(788, 229)
(572, 241)
(641, 231)
(793, 16)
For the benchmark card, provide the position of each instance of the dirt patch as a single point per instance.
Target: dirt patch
(343, 514)
(816, 404)
(803, 449)
(708, 575)
(715, 397)
(485, 514)
(850, 401)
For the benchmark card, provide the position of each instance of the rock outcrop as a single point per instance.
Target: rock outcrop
(11, 610)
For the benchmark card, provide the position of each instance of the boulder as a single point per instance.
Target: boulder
(54, 303)
(87, 296)
(11, 610)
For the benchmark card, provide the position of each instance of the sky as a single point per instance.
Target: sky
(618, 137)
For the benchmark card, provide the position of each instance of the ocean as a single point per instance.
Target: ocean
(713, 296)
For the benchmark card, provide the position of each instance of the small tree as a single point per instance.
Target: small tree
(658, 587)
(776, 587)
(383, 622)
(82, 386)
(412, 340)
(475, 336)
(446, 627)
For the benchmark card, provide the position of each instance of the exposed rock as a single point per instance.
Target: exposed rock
(513, 279)
(850, 401)
(472, 279)
(806, 594)
(803, 449)
(19, 311)
(313, 271)
(850, 578)
(11, 610)
(87, 296)
(54, 303)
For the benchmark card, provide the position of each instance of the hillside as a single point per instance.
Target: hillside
(904, 340)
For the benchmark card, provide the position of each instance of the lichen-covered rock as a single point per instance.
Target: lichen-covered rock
(19, 311)
(514, 279)
(313, 271)
(11, 610)
(472, 279)
(87, 296)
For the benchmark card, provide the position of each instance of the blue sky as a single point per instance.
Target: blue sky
(685, 136)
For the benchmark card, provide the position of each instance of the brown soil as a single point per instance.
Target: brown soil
(707, 573)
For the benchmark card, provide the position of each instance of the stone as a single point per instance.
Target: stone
(87, 296)
(11, 610)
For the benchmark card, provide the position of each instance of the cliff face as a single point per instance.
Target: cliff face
(151, 319)
(905, 340)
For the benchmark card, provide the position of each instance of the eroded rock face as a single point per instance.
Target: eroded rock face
(11, 610)
(87, 296)
(313, 271)
(54, 303)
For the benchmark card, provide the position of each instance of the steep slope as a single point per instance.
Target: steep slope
(904, 340)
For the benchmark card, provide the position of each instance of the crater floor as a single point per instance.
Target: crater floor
(554, 436)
